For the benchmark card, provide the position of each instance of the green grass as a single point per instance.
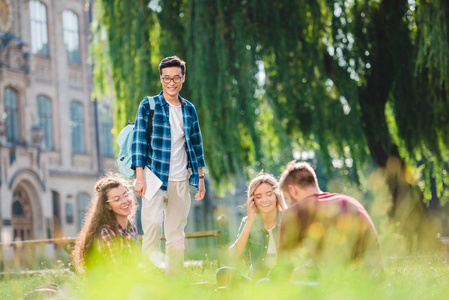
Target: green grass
(421, 277)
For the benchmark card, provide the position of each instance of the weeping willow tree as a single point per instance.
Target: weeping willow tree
(359, 80)
(378, 45)
(123, 30)
(433, 68)
(223, 78)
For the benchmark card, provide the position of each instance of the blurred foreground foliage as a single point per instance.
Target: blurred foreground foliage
(406, 278)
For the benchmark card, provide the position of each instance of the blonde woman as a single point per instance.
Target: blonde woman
(258, 233)
(109, 234)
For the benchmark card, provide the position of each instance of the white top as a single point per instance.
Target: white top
(271, 243)
(270, 259)
(178, 155)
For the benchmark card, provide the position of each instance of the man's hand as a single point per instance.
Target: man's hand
(201, 191)
(140, 188)
(141, 185)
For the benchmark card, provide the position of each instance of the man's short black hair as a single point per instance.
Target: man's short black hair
(172, 61)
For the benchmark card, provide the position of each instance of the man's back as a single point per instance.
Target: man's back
(330, 229)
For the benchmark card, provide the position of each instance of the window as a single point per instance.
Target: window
(77, 119)
(21, 215)
(82, 203)
(44, 115)
(12, 115)
(106, 138)
(39, 33)
(55, 204)
(17, 209)
(69, 213)
(56, 208)
(71, 36)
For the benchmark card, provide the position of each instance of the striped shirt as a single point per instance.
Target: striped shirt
(157, 158)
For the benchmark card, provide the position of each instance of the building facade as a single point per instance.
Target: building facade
(55, 141)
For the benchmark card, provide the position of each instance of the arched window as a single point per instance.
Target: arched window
(77, 124)
(21, 215)
(45, 121)
(12, 115)
(106, 138)
(17, 209)
(39, 33)
(82, 201)
(71, 36)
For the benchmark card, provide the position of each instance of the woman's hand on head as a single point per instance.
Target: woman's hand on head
(251, 209)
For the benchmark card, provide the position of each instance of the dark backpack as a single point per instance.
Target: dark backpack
(125, 140)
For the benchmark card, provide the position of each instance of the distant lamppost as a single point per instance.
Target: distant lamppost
(37, 135)
(2, 128)
(2, 134)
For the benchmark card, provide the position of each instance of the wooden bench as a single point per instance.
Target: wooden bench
(71, 240)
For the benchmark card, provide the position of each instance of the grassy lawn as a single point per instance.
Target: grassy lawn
(421, 277)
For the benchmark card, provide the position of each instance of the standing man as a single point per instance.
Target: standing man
(175, 156)
(322, 230)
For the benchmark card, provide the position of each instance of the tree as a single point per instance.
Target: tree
(361, 80)
(400, 126)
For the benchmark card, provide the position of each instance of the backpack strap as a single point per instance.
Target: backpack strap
(150, 119)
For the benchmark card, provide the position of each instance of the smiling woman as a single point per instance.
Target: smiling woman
(109, 235)
(258, 232)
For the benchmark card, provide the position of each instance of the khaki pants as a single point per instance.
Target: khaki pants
(170, 207)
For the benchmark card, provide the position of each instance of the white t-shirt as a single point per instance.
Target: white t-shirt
(271, 243)
(270, 259)
(178, 155)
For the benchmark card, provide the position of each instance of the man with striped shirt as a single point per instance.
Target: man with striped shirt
(175, 155)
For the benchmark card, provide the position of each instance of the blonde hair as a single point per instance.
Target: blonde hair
(261, 178)
(97, 216)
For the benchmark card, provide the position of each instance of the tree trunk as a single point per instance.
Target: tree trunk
(408, 209)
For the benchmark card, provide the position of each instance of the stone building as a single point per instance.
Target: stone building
(54, 139)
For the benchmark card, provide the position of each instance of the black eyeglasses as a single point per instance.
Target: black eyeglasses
(176, 79)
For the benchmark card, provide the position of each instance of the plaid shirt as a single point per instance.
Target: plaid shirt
(118, 249)
(157, 158)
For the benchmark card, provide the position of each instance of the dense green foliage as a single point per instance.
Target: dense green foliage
(358, 80)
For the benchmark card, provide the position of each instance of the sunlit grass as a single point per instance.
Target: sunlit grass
(418, 277)
(16, 285)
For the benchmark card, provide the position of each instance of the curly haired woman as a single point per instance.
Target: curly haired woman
(109, 234)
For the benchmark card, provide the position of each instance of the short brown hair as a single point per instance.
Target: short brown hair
(172, 61)
(298, 173)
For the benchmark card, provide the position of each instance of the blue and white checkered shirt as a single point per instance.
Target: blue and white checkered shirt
(157, 158)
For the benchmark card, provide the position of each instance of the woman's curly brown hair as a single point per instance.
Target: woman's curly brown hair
(97, 216)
